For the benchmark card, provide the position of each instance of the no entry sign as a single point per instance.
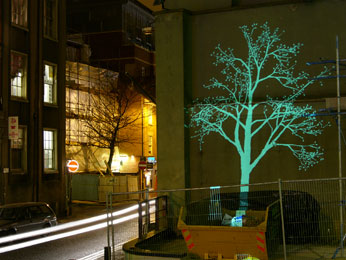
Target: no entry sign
(142, 165)
(72, 165)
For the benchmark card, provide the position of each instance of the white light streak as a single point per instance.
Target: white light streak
(66, 234)
(100, 253)
(65, 226)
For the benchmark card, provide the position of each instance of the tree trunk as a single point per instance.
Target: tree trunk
(244, 180)
(245, 162)
(110, 159)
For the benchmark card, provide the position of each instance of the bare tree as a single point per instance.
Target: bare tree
(113, 113)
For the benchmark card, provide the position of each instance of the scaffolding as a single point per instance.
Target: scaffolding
(340, 134)
(82, 81)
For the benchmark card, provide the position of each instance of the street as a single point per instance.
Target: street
(76, 247)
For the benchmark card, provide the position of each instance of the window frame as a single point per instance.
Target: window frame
(54, 35)
(54, 168)
(24, 163)
(24, 82)
(13, 23)
(54, 85)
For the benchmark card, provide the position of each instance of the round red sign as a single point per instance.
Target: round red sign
(142, 165)
(72, 165)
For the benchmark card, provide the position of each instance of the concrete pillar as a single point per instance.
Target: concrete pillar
(173, 88)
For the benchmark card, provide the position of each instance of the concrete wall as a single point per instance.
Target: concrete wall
(184, 41)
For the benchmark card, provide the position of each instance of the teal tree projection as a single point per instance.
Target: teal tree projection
(269, 63)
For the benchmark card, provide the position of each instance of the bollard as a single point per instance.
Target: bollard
(107, 253)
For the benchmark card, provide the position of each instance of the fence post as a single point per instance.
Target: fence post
(341, 218)
(107, 249)
(111, 206)
(107, 253)
(157, 214)
(147, 217)
(140, 219)
(282, 220)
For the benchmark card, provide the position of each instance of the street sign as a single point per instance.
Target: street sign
(150, 165)
(142, 165)
(13, 133)
(72, 165)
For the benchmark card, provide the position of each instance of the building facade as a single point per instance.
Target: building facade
(115, 36)
(84, 85)
(186, 34)
(115, 32)
(32, 115)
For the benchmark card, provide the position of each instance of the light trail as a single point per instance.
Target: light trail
(66, 234)
(69, 225)
(65, 226)
(99, 254)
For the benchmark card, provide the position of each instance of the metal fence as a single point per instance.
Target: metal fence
(301, 219)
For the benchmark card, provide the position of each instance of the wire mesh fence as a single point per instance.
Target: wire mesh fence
(281, 220)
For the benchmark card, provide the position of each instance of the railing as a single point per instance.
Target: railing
(283, 220)
(151, 221)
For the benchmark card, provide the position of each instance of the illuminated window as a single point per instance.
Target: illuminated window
(49, 95)
(19, 10)
(50, 18)
(49, 149)
(150, 145)
(19, 152)
(18, 75)
(150, 115)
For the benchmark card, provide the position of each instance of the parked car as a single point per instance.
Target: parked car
(23, 217)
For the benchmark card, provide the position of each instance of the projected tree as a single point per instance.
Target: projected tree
(270, 64)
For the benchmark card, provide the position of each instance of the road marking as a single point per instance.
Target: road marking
(100, 253)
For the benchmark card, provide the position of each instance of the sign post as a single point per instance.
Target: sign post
(142, 165)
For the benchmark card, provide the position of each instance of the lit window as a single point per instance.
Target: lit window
(49, 95)
(50, 18)
(18, 75)
(150, 115)
(150, 145)
(19, 12)
(49, 149)
(18, 152)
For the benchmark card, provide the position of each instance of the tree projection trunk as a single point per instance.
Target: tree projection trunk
(244, 181)
(245, 164)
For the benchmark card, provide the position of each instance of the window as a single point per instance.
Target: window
(150, 145)
(19, 13)
(18, 75)
(50, 18)
(19, 152)
(49, 94)
(49, 149)
(150, 115)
